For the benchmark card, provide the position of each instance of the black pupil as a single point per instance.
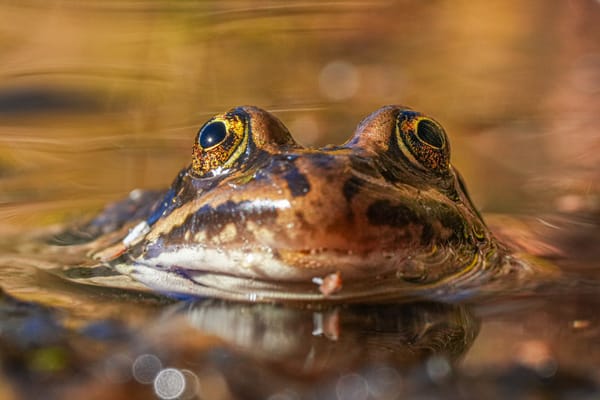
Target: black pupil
(212, 134)
(429, 133)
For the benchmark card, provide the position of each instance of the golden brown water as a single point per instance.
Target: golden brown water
(100, 97)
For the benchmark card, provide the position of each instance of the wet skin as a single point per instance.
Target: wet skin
(258, 217)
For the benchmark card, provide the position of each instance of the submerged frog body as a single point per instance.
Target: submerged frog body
(256, 216)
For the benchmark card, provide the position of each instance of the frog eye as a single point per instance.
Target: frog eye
(431, 134)
(219, 144)
(212, 134)
(423, 142)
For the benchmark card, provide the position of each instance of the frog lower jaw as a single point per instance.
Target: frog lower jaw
(184, 283)
(271, 265)
(315, 276)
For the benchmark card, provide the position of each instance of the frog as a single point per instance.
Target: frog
(255, 216)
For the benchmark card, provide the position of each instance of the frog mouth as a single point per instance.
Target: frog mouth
(399, 282)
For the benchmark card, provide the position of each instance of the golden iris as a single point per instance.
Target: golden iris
(219, 143)
(423, 142)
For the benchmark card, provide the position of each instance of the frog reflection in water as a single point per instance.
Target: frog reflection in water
(258, 217)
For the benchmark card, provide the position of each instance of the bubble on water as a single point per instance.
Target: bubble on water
(146, 367)
(352, 387)
(339, 80)
(169, 384)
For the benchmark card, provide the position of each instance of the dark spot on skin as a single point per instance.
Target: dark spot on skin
(382, 212)
(451, 220)
(364, 165)
(180, 192)
(283, 165)
(213, 220)
(389, 174)
(426, 234)
(297, 182)
(385, 213)
(300, 216)
(395, 167)
(161, 208)
(302, 222)
(322, 161)
(184, 189)
(409, 114)
(351, 187)
(276, 254)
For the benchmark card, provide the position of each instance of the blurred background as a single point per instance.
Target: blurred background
(100, 97)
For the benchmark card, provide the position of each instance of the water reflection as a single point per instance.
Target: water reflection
(267, 349)
(317, 341)
(214, 349)
(218, 349)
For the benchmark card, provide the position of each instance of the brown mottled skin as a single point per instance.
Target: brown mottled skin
(360, 213)
(257, 216)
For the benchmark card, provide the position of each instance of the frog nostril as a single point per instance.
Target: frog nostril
(212, 134)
